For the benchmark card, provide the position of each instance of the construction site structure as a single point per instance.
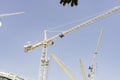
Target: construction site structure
(44, 60)
(91, 73)
(9, 76)
(91, 67)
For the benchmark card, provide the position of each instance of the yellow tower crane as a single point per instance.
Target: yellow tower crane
(46, 42)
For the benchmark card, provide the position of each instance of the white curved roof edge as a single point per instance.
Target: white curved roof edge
(10, 76)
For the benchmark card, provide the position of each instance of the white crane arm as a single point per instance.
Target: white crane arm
(90, 21)
(11, 14)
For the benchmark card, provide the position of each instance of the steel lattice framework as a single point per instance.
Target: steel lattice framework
(46, 42)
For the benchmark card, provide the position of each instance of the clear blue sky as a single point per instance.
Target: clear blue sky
(47, 14)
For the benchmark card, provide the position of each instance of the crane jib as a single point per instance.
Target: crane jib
(90, 21)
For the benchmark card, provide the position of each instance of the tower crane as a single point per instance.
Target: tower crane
(46, 42)
(90, 75)
(94, 56)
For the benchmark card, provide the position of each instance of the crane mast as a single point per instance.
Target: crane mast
(44, 61)
(46, 42)
(90, 75)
